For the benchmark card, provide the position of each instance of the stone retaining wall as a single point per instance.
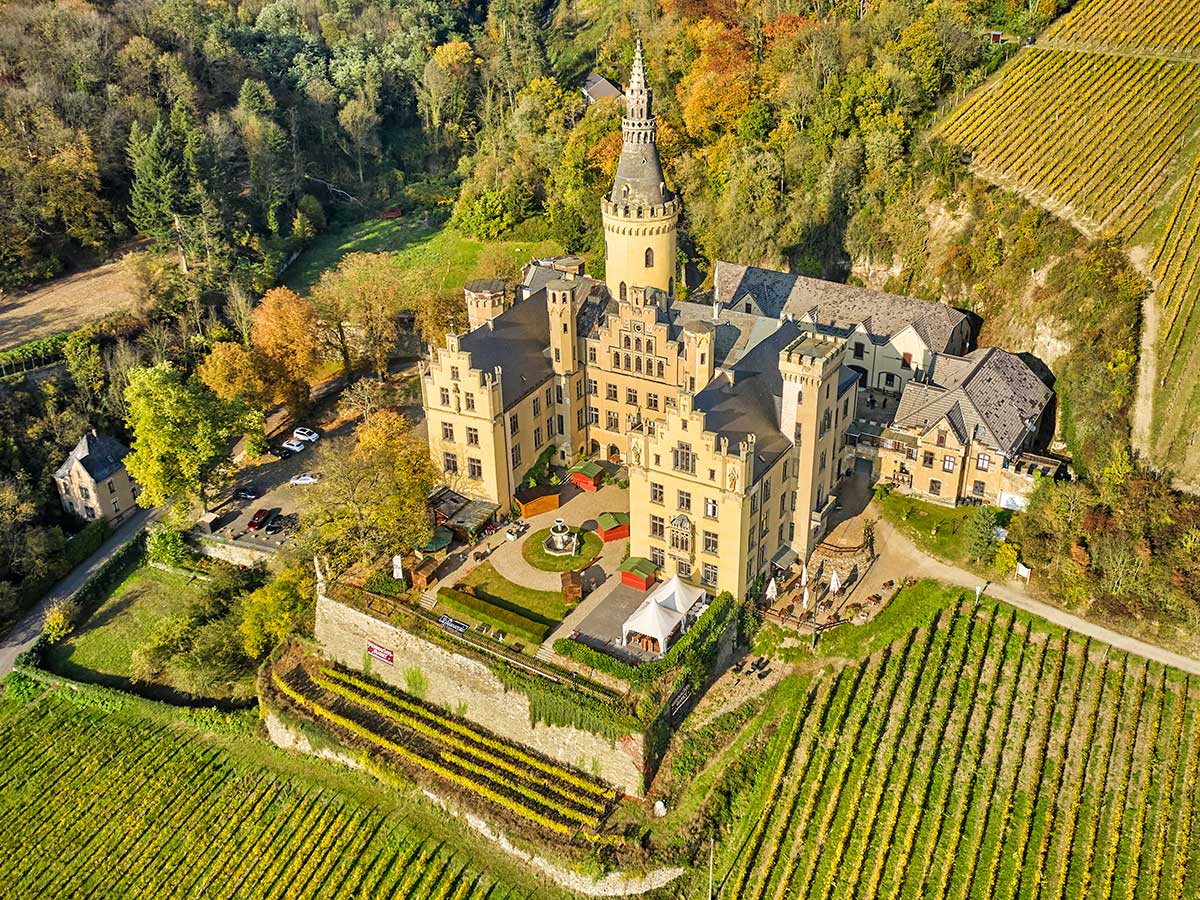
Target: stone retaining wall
(468, 687)
(230, 551)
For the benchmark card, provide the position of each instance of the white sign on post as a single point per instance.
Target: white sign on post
(398, 568)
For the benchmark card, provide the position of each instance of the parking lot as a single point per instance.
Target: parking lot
(270, 479)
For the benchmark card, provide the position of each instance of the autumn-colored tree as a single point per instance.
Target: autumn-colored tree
(285, 335)
(370, 501)
(233, 372)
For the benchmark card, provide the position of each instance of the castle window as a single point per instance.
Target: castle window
(470, 400)
(637, 344)
(591, 354)
(472, 437)
(616, 359)
(454, 373)
(649, 258)
(628, 363)
(626, 342)
(637, 365)
(649, 345)
(445, 396)
(474, 467)
(660, 368)
(450, 463)
(624, 293)
(447, 431)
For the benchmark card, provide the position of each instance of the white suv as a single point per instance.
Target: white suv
(305, 434)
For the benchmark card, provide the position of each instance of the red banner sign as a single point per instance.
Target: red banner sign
(381, 653)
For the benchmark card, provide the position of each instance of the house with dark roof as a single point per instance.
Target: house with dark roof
(597, 87)
(891, 338)
(968, 431)
(92, 481)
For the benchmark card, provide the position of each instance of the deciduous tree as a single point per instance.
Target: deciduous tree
(182, 435)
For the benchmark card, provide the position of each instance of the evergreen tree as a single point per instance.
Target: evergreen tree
(155, 195)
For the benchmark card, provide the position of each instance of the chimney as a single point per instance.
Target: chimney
(716, 311)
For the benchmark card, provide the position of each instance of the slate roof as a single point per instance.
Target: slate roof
(100, 455)
(837, 307)
(597, 87)
(989, 395)
(736, 333)
(749, 402)
(519, 342)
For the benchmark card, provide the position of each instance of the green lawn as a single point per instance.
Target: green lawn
(938, 530)
(448, 259)
(104, 644)
(487, 582)
(535, 554)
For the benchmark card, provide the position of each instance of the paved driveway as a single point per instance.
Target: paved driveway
(26, 631)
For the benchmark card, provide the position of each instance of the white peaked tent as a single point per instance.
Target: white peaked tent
(662, 612)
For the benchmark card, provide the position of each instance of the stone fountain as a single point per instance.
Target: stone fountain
(561, 541)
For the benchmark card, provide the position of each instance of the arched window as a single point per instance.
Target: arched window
(649, 257)
(660, 368)
(626, 342)
(637, 365)
(623, 292)
(649, 345)
(616, 360)
(637, 344)
(628, 365)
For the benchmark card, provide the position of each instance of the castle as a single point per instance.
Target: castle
(739, 414)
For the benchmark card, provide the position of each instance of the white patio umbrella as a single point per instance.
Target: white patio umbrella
(804, 576)
(804, 600)
(772, 591)
(834, 584)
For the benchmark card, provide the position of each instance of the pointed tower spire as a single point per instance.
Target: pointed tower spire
(637, 76)
(639, 179)
(640, 213)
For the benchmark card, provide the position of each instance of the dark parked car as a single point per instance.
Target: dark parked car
(279, 452)
(258, 520)
(245, 493)
(275, 523)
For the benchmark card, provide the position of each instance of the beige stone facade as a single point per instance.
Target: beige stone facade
(93, 484)
(755, 383)
(718, 492)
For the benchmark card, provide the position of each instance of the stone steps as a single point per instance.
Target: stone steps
(429, 600)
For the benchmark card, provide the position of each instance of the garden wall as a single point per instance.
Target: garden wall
(230, 551)
(469, 687)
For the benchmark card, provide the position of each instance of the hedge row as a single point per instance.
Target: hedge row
(693, 652)
(493, 615)
(556, 703)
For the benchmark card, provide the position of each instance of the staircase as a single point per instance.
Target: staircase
(429, 600)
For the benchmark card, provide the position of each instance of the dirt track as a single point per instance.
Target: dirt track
(63, 304)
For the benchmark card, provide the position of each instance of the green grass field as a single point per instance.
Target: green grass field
(534, 552)
(938, 530)
(486, 582)
(122, 799)
(102, 647)
(446, 258)
(982, 754)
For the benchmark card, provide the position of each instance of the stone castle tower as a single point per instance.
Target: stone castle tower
(640, 214)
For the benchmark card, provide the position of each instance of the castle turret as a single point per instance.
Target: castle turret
(640, 214)
(560, 304)
(485, 300)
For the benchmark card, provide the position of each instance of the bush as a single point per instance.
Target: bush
(164, 544)
(20, 687)
(1006, 558)
(60, 619)
(85, 543)
(493, 615)
(383, 583)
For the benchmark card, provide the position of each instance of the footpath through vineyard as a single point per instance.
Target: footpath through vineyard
(985, 757)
